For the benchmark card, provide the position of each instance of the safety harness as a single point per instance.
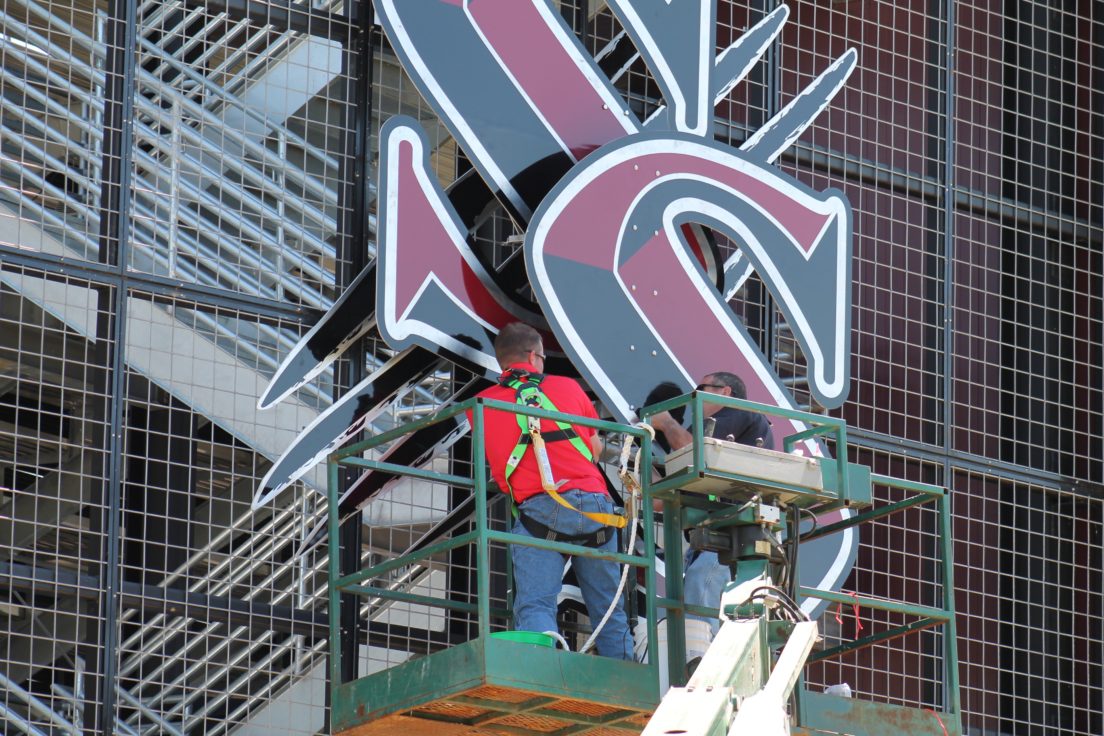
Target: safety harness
(527, 392)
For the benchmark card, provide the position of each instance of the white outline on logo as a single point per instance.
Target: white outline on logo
(398, 330)
(550, 212)
(570, 45)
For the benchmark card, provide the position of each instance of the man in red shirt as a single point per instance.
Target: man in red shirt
(538, 574)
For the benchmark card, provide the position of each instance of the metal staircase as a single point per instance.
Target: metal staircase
(229, 193)
(180, 146)
(179, 160)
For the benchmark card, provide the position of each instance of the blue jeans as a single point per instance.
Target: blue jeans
(703, 582)
(538, 573)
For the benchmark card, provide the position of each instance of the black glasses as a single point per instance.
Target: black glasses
(539, 355)
(703, 386)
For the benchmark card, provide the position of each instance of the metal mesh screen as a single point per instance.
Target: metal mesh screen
(142, 592)
(1028, 563)
(52, 122)
(176, 213)
(898, 559)
(240, 151)
(218, 617)
(55, 334)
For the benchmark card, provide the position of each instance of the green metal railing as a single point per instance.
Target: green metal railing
(482, 536)
(926, 617)
(818, 427)
(844, 489)
(847, 487)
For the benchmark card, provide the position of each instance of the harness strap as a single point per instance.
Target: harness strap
(557, 436)
(615, 520)
(528, 393)
(540, 531)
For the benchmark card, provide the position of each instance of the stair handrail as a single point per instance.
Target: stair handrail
(96, 76)
(324, 248)
(92, 216)
(224, 95)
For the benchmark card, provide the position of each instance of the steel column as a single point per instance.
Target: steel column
(119, 74)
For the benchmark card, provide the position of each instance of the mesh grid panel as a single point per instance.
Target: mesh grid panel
(55, 334)
(240, 152)
(208, 635)
(52, 116)
(156, 269)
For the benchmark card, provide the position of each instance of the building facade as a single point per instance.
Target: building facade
(186, 188)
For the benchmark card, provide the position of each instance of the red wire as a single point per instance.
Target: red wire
(855, 610)
(858, 622)
(929, 710)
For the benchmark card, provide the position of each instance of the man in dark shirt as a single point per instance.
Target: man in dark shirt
(705, 576)
(731, 424)
(538, 573)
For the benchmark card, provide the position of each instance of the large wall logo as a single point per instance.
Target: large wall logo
(616, 212)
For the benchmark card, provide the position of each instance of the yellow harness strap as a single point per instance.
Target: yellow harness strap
(549, 486)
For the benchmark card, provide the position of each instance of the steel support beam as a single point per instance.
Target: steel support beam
(284, 16)
(172, 601)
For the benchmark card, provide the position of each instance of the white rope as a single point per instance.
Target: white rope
(626, 448)
(617, 596)
(558, 637)
(633, 486)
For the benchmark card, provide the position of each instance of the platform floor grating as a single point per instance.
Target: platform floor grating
(503, 711)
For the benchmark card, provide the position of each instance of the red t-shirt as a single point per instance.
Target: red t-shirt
(568, 464)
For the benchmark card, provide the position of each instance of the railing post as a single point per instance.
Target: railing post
(841, 463)
(177, 150)
(676, 617)
(697, 428)
(950, 631)
(281, 208)
(650, 586)
(334, 571)
(482, 555)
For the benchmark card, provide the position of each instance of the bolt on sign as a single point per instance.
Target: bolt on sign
(617, 212)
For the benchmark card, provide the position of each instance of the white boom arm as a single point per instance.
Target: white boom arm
(727, 693)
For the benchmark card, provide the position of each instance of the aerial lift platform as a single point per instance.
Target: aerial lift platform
(741, 501)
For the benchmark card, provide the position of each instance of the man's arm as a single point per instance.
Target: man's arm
(676, 434)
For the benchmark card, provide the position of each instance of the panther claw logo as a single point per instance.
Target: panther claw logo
(615, 211)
